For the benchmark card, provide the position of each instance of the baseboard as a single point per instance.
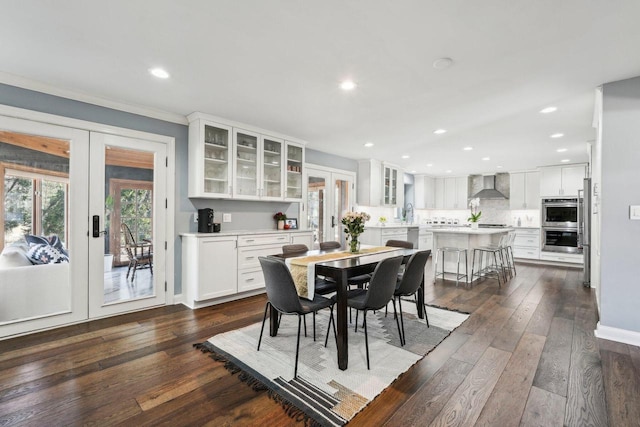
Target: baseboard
(618, 335)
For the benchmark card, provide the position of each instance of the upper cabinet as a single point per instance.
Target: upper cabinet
(525, 190)
(451, 193)
(562, 180)
(380, 184)
(425, 192)
(234, 163)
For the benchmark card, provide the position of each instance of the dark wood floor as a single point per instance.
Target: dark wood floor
(526, 356)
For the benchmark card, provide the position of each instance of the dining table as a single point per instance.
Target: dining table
(341, 270)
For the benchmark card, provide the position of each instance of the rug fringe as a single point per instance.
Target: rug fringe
(256, 385)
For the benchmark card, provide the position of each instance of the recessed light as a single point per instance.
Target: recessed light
(499, 167)
(442, 63)
(429, 165)
(440, 131)
(468, 148)
(406, 156)
(159, 73)
(557, 135)
(565, 160)
(486, 158)
(348, 85)
(561, 150)
(413, 171)
(548, 110)
(448, 171)
(368, 144)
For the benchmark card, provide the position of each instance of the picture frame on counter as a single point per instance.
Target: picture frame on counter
(292, 223)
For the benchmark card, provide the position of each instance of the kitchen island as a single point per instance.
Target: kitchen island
(465, 238)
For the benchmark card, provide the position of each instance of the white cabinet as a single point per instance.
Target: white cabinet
(209, 267)
(558, 257)
(236, 163)
(452, 193)
(425, 192)
(425, 241)
(527, 243)
(525, 190)
(379, 184)
(562, 180)
(302, 238)
(250, 249)
(379, 236)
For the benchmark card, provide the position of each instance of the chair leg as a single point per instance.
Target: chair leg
(295, 371)
(402, 338)
(398, 323)
(314, 326)
(356, 329)
(331, 323)
(366, 337)
(304, 318)
(264, 318)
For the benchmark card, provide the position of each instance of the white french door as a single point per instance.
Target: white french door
(116, 208)
(330, 193)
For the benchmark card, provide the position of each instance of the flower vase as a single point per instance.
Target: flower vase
(280, 224)
(474, 225)
(354, 245)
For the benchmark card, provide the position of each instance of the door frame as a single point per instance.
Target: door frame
(83, 125)
(332, 173)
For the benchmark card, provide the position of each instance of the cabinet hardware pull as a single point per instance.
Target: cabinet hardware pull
(249, 257)
(250, 279)
(250, 240)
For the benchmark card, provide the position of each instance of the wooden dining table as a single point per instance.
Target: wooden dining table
(341, 270)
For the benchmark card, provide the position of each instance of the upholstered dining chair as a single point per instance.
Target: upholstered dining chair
(377, 295)
(140, 255)
(362, 280)
(282, 295)
(410, 283)
(326, 246)
(399, 244)
(322, 286)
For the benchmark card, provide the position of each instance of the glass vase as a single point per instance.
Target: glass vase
(354, 245)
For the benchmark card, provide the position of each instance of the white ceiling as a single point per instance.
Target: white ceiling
(277, 65)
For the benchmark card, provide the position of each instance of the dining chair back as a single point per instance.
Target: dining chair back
(399, 244)
(294, 249)
(410, 282)
(325, 246)
(382, 284)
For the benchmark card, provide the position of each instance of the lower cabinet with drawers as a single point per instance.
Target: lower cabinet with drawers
(222, 267)
(527, 243)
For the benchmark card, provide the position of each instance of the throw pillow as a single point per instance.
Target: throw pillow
(32, 239)
(13, 257)
(46, 254)
(54, 241)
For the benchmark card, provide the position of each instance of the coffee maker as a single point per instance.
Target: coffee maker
(205, 220)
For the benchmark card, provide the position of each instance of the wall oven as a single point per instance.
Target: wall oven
(560, 212)
(561, 239)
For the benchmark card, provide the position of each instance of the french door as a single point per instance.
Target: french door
(330, 193)
(55, 196)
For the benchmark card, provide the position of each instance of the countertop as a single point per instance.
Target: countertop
(392, 226)
(243, 232)
(468, 230)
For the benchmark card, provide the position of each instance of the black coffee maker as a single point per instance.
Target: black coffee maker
(205, 220)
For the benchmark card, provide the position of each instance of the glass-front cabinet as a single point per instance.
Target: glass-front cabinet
(228, 162)
(295, 162)
(390, 185)
(209, 159)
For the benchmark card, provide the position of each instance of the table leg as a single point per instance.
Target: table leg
(420, 300)
(273, 321)
(341, 311)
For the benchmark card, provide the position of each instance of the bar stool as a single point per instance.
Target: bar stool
(494, 270)
(456, 251)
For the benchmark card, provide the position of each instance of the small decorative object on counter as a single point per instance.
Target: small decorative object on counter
(280, 217)
(354, 226)
(382, 220)
(474, 204)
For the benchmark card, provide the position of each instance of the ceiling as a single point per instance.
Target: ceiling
(277, 65)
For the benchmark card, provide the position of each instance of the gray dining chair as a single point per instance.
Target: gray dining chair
(282, 295)
(399, 244)
(362, 280)
(326, 246)
(322, 285)
(410, 283)
(377, 295)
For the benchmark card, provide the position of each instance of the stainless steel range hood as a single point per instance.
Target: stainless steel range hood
(489, 189)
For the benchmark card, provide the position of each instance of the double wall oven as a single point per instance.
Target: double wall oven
(560, 225)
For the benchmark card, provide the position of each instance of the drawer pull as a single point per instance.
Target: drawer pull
(250, 240)
(249, 257)
(281, 238)
(250, 279)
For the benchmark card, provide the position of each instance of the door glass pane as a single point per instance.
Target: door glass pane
(316, 210)
(341, 206)
(34, 257)
(294, 172)
(216, 160)
(272, 168)
(129, 224)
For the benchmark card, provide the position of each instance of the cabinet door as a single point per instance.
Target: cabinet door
(386, 184)
(439, 193)
(246, 150)
(532, 190)
(419, 192)
(572, 180)
(450, 193)
(218, 268)
(462, 189)
(271, 187)
(295, 162)
(550, 182)
(517, 190)
(302, 238)
(210, 154)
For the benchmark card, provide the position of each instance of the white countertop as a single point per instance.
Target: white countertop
(243, 232)
(468, 230)
(392, 226)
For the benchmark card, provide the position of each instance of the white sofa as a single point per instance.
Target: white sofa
(30, 291)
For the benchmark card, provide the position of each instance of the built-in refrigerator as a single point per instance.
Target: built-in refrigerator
(584, 229)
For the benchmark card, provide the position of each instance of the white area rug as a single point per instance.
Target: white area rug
(322, 393)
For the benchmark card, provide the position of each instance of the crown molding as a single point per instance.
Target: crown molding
(25, 83)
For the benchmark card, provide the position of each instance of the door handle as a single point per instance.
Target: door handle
(96, 227)
(333, 221)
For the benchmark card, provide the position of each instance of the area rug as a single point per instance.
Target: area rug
(322, 394)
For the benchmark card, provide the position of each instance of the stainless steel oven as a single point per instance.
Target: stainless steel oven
(561, 239)
(560, 213)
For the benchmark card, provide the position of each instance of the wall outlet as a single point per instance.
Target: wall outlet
(226, 217)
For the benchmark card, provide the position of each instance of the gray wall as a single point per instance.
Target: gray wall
(245, 214)
(620, 257)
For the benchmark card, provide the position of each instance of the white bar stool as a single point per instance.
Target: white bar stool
(458, 252)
